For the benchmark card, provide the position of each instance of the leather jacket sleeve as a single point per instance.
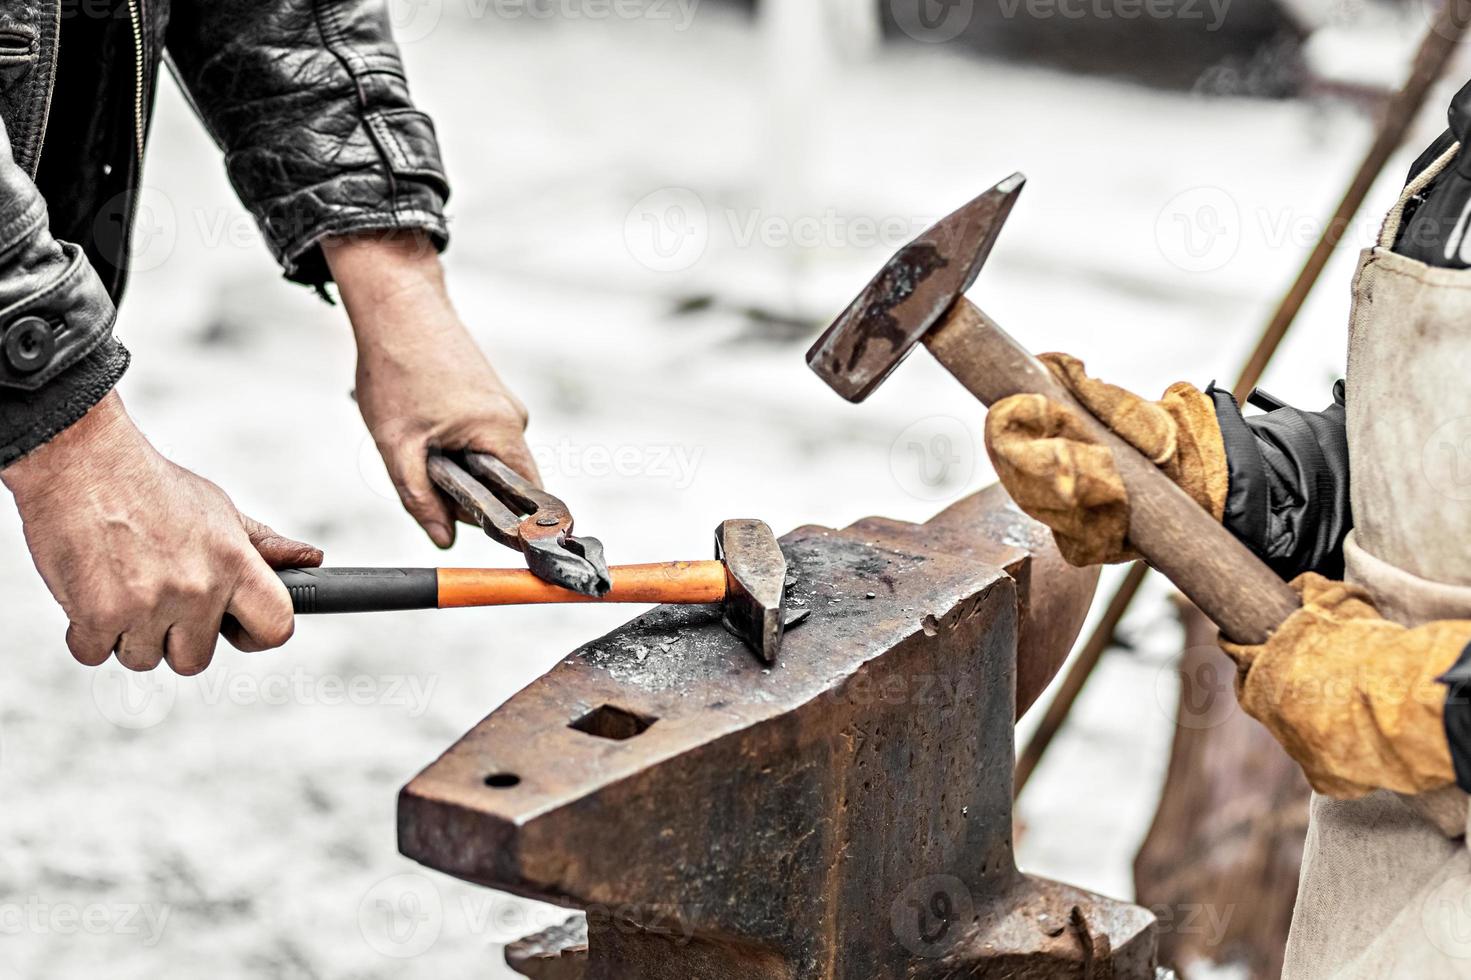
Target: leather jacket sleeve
(309, 102)
(57, 354)
(1288, 497)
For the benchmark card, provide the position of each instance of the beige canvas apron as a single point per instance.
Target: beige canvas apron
(1385, 889)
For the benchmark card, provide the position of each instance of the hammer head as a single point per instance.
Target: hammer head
(756, 578)
(911, 295)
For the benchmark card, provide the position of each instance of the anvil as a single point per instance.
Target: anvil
(843, 815)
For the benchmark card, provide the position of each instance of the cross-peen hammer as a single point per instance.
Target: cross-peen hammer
(919, 298)
(747, 579)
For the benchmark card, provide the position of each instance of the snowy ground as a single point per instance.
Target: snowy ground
(608, 174)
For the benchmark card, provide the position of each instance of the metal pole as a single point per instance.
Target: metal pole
(1435, 52)
(1077, 675)
(1399, 114)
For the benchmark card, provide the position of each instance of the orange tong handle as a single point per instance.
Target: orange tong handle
(687, 582)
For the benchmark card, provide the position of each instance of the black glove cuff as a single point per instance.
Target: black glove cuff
(1246, 493)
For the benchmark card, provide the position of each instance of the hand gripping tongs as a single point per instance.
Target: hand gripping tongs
(521, 516)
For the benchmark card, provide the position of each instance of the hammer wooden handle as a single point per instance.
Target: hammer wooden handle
(1205, 561)
(354, 590)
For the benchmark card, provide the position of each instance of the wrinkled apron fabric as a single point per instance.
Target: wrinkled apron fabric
(1385, 889)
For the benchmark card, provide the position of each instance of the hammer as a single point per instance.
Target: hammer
(747, 578)
(919, 297)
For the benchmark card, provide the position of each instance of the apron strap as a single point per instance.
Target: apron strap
(1390, 231)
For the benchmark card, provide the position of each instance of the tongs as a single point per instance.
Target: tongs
(520, 515)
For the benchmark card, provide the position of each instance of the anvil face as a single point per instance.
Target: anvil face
(843, 814)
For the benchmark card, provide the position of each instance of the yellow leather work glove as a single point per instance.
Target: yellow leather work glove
(1059, 476)
(1352, 696)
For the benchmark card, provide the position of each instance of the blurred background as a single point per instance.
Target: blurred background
(657, 206)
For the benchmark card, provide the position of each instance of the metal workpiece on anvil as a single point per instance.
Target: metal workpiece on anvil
(844, 814)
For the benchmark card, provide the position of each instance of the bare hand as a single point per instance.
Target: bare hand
(423, 385)
(147, 558)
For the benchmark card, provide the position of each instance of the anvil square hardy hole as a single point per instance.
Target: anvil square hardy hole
(614, 723)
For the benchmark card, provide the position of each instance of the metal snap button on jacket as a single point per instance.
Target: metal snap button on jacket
(29, 345)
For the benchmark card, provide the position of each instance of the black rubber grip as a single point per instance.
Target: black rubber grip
(319, 591)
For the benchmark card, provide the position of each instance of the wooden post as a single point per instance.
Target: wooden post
(1219, 865)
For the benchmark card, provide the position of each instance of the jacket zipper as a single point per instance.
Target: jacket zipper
(136, 14)
(130, 213)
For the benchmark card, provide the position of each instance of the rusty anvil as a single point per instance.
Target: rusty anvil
(843, 815)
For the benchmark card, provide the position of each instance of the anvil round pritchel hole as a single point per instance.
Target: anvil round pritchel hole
(502, 780)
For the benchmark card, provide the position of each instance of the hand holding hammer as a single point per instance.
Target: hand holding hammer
(919, 298)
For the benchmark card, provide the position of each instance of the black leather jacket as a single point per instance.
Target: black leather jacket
(307, 99)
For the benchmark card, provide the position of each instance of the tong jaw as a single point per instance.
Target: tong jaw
(523, 517)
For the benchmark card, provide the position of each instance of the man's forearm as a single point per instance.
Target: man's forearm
(385, 276)
(423, 384)
(100, 440)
